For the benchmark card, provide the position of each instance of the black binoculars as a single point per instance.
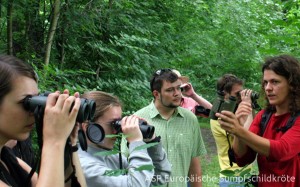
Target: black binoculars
(220, 104)
(147, 130)
(86, 110)
(254, 96)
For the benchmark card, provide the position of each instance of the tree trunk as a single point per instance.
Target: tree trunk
(0, 8)
(35, 28)
(9, 27)
(53, 25)
(61, 39)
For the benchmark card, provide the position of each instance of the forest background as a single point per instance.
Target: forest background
(116, 45)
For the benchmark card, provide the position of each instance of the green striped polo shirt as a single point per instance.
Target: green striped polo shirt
(181, 138)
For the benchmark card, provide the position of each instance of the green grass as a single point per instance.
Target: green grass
(210, 171)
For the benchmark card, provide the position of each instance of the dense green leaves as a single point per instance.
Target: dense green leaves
(115, 46)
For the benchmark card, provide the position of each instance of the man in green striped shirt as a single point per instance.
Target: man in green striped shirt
(178, 128)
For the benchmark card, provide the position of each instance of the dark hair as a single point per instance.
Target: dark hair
(104, 101)
(10, 67)
(288, 67)
(159, 76)
(227, 81)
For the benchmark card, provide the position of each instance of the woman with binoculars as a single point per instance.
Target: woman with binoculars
(17, 81)
(96, 166)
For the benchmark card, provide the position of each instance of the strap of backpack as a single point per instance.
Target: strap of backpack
(266, 117)
(264, 121)
(289, 123)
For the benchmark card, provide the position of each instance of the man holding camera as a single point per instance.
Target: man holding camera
(103, 163)
(228, 87)
(178, 127)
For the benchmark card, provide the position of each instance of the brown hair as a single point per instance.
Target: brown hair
(10, 67)
(227, 81)
(161, 75)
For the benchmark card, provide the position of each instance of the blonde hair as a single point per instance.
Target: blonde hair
(103, 100)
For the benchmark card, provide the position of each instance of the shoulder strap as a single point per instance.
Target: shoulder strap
(264, 121)
(266, 117)
(289, 123)
(17, 175)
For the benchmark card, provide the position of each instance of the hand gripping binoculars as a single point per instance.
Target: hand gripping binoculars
(86, 110)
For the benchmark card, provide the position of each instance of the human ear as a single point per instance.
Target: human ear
(155, 93)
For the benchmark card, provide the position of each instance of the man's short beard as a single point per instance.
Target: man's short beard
(168, 106)
(172, 106)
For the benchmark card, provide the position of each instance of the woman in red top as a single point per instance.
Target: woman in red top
(278, 152)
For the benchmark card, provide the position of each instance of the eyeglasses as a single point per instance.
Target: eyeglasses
(158, 73)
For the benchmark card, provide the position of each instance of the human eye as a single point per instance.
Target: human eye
(265, 83)
(21, 101)
(170, 90)
(275, 82)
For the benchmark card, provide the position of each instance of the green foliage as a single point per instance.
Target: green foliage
(115, 173)
(115, 46)
(145, 146)
(244, 174)
(145, 167)
(52, 78)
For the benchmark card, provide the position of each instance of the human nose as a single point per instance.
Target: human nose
(177, 92)
(268, 86)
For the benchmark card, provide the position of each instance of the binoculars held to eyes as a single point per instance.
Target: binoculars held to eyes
(95, 133)
(86, 110)
(147, 130)
(254, 96)
(37, 104)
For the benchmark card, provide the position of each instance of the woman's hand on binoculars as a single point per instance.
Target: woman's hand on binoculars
(59, 118)
(130, 127)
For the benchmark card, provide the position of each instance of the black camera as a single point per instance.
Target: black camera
(147, 130)
(86, 110)
(220, 104)
(201, 111)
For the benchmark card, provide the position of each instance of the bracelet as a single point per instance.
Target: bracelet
(156, 139)
(74, 148)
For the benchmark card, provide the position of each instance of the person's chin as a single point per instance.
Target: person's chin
(176, 103)
(23, 136)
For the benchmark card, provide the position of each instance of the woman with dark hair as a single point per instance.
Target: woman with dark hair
(276, 143)
(18, 81)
